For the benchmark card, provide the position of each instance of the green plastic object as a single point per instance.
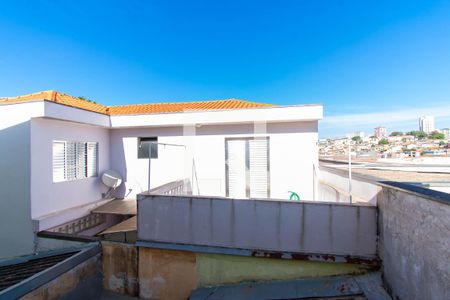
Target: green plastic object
(294, 196)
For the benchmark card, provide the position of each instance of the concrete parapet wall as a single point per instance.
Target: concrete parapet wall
(414, 244)
(174, 274)
(166, 274)
(66, 282)
(120, 268)
(284, 226)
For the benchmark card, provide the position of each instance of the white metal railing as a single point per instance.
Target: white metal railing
(178, 187)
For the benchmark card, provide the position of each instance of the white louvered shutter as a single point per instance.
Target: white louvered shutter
(236, 168)
(258, 161)
(71, 159)
(92, 150)
(80, 161)
(74, 160)
(59, 161)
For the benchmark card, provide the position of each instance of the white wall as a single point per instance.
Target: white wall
(292, 154)
(16, 234)
(67, 113)
(48, 197)
(27, 190)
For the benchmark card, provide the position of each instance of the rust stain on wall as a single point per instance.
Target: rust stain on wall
(166, 274)
(120, 268)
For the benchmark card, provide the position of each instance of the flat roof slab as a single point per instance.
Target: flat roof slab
(343, 287)
(118, 207)
(125, 226)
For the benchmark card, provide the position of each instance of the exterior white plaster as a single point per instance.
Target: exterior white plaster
(292, 156)
(27, 132)
(47, 196)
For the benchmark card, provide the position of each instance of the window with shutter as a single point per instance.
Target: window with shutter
(80, 161)
(259, 171)
(74, 160)
(71, 161)
(92, 149)
(247, 167)
(236, 169)
(59, 159)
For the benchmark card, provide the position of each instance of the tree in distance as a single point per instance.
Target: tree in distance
(396, 133)
(357, 139)
(418, 134)
(435, 135)
(383, 142)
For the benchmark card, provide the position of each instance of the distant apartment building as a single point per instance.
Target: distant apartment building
(446, 132)
(426, 124)
(380, 132)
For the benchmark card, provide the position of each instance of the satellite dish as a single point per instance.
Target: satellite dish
(111, 179)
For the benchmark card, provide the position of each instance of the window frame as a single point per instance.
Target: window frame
(247, 163)
(151, 142)
(79, 154)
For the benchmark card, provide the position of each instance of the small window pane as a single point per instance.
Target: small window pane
(74, 160)
(144, 145)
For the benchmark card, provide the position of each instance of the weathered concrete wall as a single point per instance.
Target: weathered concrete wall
(66, 282)
(284, 226)
(120, 273)
(214, 269)
(174, 274)
(414, 245)
(166, 274)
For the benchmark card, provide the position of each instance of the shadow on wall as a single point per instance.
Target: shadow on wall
(330, 193)
(118, 163)
(16, 236)
(288, 127)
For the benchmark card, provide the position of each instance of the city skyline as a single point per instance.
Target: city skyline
(398, 120)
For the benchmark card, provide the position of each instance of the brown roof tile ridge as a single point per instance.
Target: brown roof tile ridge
(45, 92)
(193, 101)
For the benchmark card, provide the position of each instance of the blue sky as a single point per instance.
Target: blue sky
(368, 62)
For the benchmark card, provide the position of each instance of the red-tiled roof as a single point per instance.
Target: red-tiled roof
(153, 108)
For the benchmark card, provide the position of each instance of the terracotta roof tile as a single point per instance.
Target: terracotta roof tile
(58, 97)
(134, 109)
(182, 107)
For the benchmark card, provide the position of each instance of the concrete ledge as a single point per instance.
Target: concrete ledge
(26, 286)
(375, 262)
(429, 194)
(403, 186)
(340, 287)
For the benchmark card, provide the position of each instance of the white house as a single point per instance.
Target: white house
(54, 147)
